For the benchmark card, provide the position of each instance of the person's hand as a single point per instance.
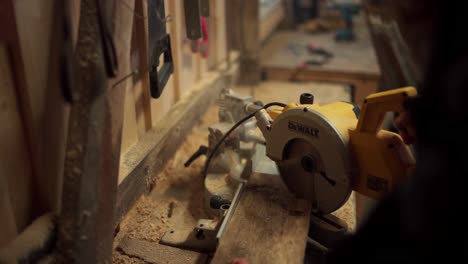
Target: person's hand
(239, 261)
(403, 123)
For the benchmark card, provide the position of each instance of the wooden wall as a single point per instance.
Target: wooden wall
(35, 120)
(142, 112)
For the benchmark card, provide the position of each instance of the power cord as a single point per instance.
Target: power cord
(240, 122)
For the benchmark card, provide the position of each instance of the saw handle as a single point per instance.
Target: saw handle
(382, 159)
(376, 105)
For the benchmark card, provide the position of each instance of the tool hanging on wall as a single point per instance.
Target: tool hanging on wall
(159, 43)
(201, 45)
(196, 25)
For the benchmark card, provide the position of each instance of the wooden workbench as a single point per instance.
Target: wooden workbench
(352, 63)
(182, 190)
(269, 225)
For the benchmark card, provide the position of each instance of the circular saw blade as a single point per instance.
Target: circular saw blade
(304, 172)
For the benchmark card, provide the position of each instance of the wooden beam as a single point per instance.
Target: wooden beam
(143, 97)
(271, 20)
(85, 234)
(244, 36)
(269, 225)
(141, 165)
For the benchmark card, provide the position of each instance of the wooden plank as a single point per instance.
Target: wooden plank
(172, 8)
(134, 125)
(212, 33)
(142, 89)
(34, 30)
(221, 40)
(140, 166)
(250, 29)
(15, 168)
(130, 125)
(14, 68)
(269, 225)
(94, 139)
(244, 32)
(41, 35)
(52, 127)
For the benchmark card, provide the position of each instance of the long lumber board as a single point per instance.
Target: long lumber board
(146, 159)
(269, 225)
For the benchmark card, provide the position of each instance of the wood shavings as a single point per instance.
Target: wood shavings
(176, 187)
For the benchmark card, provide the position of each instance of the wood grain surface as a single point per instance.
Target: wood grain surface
(269, 225)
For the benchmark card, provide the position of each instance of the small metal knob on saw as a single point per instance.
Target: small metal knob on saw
(306, 98)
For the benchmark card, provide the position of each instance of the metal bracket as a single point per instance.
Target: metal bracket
(201, 239)
(205, 236)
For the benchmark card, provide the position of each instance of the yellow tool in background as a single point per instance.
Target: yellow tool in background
(325, 152)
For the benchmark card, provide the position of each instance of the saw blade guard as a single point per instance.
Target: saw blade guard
(310, 146)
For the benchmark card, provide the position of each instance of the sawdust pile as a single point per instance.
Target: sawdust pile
(176, 200)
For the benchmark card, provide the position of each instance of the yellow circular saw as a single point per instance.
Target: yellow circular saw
(325, 152)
